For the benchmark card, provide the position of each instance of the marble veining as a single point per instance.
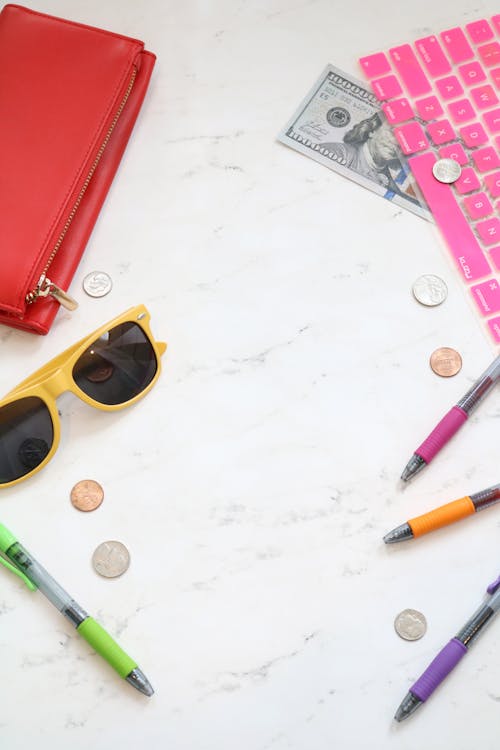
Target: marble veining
(254, 483)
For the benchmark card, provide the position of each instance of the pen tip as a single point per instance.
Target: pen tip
(409, 704)
(138, 679)
(399, 534)
(414, 465)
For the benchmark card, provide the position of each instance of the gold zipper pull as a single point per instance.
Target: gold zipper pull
(46, 287)
(64, 299)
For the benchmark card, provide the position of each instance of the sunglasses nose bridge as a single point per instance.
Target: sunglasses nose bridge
(57, 383)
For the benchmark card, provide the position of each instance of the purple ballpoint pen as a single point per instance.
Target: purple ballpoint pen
(452, 421)
(450, 655)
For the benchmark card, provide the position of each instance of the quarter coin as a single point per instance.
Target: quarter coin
(87, 495)
(445, 362)
(430, 290)
(446, 170)
(111, 559)
(97, 284)
(410, 624)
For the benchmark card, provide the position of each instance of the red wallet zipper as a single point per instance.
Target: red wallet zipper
(45, 286)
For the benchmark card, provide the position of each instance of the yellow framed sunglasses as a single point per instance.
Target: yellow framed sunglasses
(111, 368)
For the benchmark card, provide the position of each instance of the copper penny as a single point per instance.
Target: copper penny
(100, 372)
(446, 362)
(87, 495)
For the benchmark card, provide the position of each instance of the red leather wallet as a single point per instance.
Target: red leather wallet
(69, 98)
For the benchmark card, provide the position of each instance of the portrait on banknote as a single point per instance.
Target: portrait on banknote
(341, 125)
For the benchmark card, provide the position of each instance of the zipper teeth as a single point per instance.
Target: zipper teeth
(32, 296)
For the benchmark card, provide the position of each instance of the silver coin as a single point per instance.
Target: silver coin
(446, 170)
(410, 624)
(430, 290)
(97, 284)
(111, 559)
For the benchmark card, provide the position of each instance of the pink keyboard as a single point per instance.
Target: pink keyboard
(441, 96)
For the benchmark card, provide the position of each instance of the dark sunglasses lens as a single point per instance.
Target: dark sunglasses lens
(26, 437)
(118, 366)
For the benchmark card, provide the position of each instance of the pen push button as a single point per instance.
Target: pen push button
(493, 586)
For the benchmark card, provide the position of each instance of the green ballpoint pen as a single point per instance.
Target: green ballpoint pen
(24, 565)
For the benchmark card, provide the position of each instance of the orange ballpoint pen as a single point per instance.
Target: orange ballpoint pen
(444, 515)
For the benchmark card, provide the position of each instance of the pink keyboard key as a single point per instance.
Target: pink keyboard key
(449, 87)
(386, 88)
(411, 138)
(461, 111)
(471, 73)
(495, 75)
(492, 120)
(432, 56)
(429, 108)
(474, 135)
(493, 184)
(484, 96)
(489, 231)
(399, 110)
(457, 45)
(375, 65)
(494, 253)
(480, 31)
(487, 296)
(409, 69)
(486, 159)
(494, 326)
(490, 54)
(454, 151)
(467, 182)
(440, 132)
(496, 22)
(463, 244)
(478, 205)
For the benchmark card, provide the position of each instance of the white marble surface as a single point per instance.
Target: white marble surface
(254, 483)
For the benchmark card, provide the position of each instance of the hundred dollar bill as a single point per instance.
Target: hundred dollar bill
(340, 124)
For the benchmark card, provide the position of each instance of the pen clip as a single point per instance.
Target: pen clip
(493, 586)
(18, 572)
